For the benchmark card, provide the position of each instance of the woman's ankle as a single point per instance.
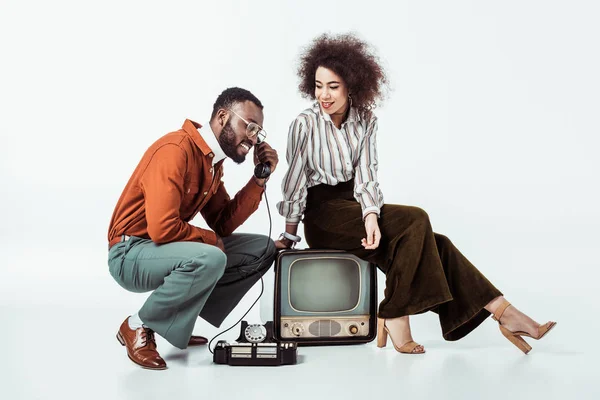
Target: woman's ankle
(494, 304)
(399, 327)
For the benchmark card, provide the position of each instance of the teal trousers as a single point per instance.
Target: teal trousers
(189, 279)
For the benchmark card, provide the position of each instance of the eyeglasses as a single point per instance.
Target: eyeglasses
(253, 129)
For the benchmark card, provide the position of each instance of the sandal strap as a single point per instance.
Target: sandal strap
(409, 347)
(500, 310)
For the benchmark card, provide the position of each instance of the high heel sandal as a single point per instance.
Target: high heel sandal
(382, 335)
(515, 337)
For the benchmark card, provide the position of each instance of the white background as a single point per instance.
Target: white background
(491, 127)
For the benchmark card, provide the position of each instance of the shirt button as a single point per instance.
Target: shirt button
(188, 190)
(210, 155)
(211, 170)
(205, 193)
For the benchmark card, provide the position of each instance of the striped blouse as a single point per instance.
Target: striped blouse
(318, 152)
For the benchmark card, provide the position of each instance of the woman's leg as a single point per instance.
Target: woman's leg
(424, 271)
(407, 254)
(471, 292)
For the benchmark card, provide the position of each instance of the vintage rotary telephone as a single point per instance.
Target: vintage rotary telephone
(255, 346)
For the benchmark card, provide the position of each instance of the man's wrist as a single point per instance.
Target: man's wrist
(259, 182)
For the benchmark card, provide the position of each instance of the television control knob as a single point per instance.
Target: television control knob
(297, 329)
(353, 329)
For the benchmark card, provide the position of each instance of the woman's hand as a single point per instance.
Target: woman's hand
(283, 244)
(373, 233)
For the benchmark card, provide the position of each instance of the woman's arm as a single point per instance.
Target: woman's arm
(366, 187)
(294, 184)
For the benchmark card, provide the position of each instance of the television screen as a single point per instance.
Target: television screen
(322, 285)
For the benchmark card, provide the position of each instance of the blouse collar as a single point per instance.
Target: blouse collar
(353, 116)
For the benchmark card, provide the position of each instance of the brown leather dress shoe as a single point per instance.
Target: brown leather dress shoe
(197, 341)
(141, 346)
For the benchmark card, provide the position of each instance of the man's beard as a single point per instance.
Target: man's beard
(227, 141)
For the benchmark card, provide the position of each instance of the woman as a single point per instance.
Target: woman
(332, 183)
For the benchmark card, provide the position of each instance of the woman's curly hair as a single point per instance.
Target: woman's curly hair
(353, 60)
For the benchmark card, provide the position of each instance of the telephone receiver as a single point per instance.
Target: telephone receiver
(262, 170)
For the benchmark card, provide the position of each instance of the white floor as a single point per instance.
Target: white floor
(58, 333)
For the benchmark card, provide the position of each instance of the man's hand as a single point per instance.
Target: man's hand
(263, 153)
(220, 244)
(373, 233)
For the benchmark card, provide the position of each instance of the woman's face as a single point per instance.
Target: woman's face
(330, 91)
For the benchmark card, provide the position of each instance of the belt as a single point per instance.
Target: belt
(118, 239)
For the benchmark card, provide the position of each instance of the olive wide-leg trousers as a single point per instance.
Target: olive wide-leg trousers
(424, 270)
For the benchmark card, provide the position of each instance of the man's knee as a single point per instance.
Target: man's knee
(217, 261)
(271, 249)
(270, 253)
(211, 260)
(265, 255)
(264, 247)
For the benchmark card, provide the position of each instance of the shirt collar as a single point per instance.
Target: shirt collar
(353, 116)
(211, 140)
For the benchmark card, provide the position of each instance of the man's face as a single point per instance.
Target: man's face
(233, 139)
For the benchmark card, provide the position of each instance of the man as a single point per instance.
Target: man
(152, 245)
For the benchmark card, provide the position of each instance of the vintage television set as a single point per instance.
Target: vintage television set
(324, 297)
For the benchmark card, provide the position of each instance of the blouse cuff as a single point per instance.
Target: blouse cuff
(369, 210)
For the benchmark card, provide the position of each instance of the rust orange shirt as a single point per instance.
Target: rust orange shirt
(171, 184)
